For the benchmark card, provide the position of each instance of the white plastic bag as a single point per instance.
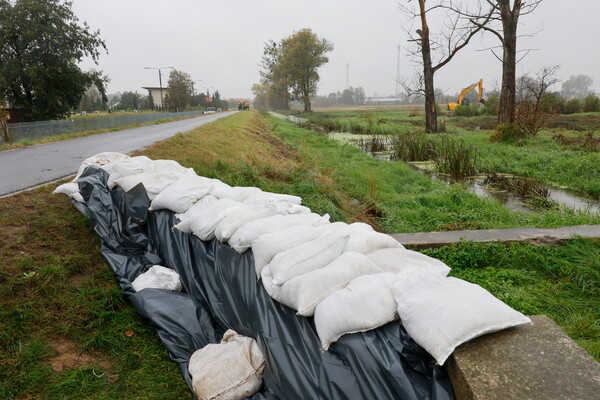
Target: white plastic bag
(230, 370)
(157, 277)
(402, 260)
(304, 292)
(181, 194)
(442, 313)
(242, 239)
(366, 303)
(308, 256)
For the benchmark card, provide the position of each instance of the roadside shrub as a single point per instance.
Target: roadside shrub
(471, 110)
(573, 106)
(508, 133)
(553, 103)
(591, 103)
(491, 105)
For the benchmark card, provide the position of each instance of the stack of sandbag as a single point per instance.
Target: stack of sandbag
(231, 370)
(349, 277)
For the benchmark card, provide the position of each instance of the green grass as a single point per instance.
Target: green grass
(541, 157)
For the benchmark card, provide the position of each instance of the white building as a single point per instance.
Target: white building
(157, 98)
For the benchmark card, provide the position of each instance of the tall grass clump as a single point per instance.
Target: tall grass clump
(412, 147)
(373, 143)
(456, 158)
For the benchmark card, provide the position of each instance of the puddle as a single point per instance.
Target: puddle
(569, 198)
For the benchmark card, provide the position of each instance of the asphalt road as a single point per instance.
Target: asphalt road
(32, 166)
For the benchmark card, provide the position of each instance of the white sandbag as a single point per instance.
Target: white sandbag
(205, 222)
(304, 292)
(266, 198)
(157, 277)
(267, 246)
(71, 189)
(441, 313)
(308, 256)
(247, 213)
(285, 208)
(187, 217)
(242, 239)
(267, 281)
(230, 370)
(170, 165)
(402, 260)
(366, 303)
(237, 193)
(366, 242)
(154, 181)
(181, 194)
(99, 160)
(125, 167)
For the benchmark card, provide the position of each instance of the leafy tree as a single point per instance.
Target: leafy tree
(573, 106)
(149, 102)
(41, 43)
(91, 100)
(302, 54)
(292, 66)
(591, 103)
(179, 93)
(131, 101)
(577, 86)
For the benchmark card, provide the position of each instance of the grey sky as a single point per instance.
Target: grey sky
(220, 42)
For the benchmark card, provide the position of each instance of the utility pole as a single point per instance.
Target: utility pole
(160, 82)
(398, 72)
(193, 92)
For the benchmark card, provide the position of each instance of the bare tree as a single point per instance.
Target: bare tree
(456, 32)
(531, 113)
(503, 24)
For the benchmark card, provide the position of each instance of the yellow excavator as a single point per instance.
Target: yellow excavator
(463, 101)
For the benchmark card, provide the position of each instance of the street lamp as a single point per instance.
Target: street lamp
(160, 81)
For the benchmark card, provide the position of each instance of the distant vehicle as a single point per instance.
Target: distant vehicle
(83, 113)
(210, 110)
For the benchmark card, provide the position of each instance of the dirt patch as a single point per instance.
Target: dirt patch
(11, 235)
(78, 280)
(70, 357)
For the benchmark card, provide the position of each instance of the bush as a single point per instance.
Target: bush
(591, 103)
(508, 133)
(573, 106)
(456, 158)
(491, 105)
(553, 103)
(467, 111)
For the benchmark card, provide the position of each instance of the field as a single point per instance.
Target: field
(67, 332)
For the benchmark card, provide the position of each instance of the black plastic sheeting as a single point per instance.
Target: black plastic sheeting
(221, 292)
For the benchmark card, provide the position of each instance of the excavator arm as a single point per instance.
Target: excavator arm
(478, 85)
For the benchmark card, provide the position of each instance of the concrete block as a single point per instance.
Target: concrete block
(533, 361)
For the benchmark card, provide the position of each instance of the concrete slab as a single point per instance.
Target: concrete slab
(535, 235)
(537, 361)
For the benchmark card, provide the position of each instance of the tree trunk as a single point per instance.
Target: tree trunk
(307, 107)
(428, 72)
(506, 111)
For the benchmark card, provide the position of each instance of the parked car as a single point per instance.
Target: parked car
(210, 110)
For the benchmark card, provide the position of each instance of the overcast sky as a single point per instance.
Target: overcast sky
(220, 42)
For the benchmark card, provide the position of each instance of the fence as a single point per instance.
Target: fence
(36, 130)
